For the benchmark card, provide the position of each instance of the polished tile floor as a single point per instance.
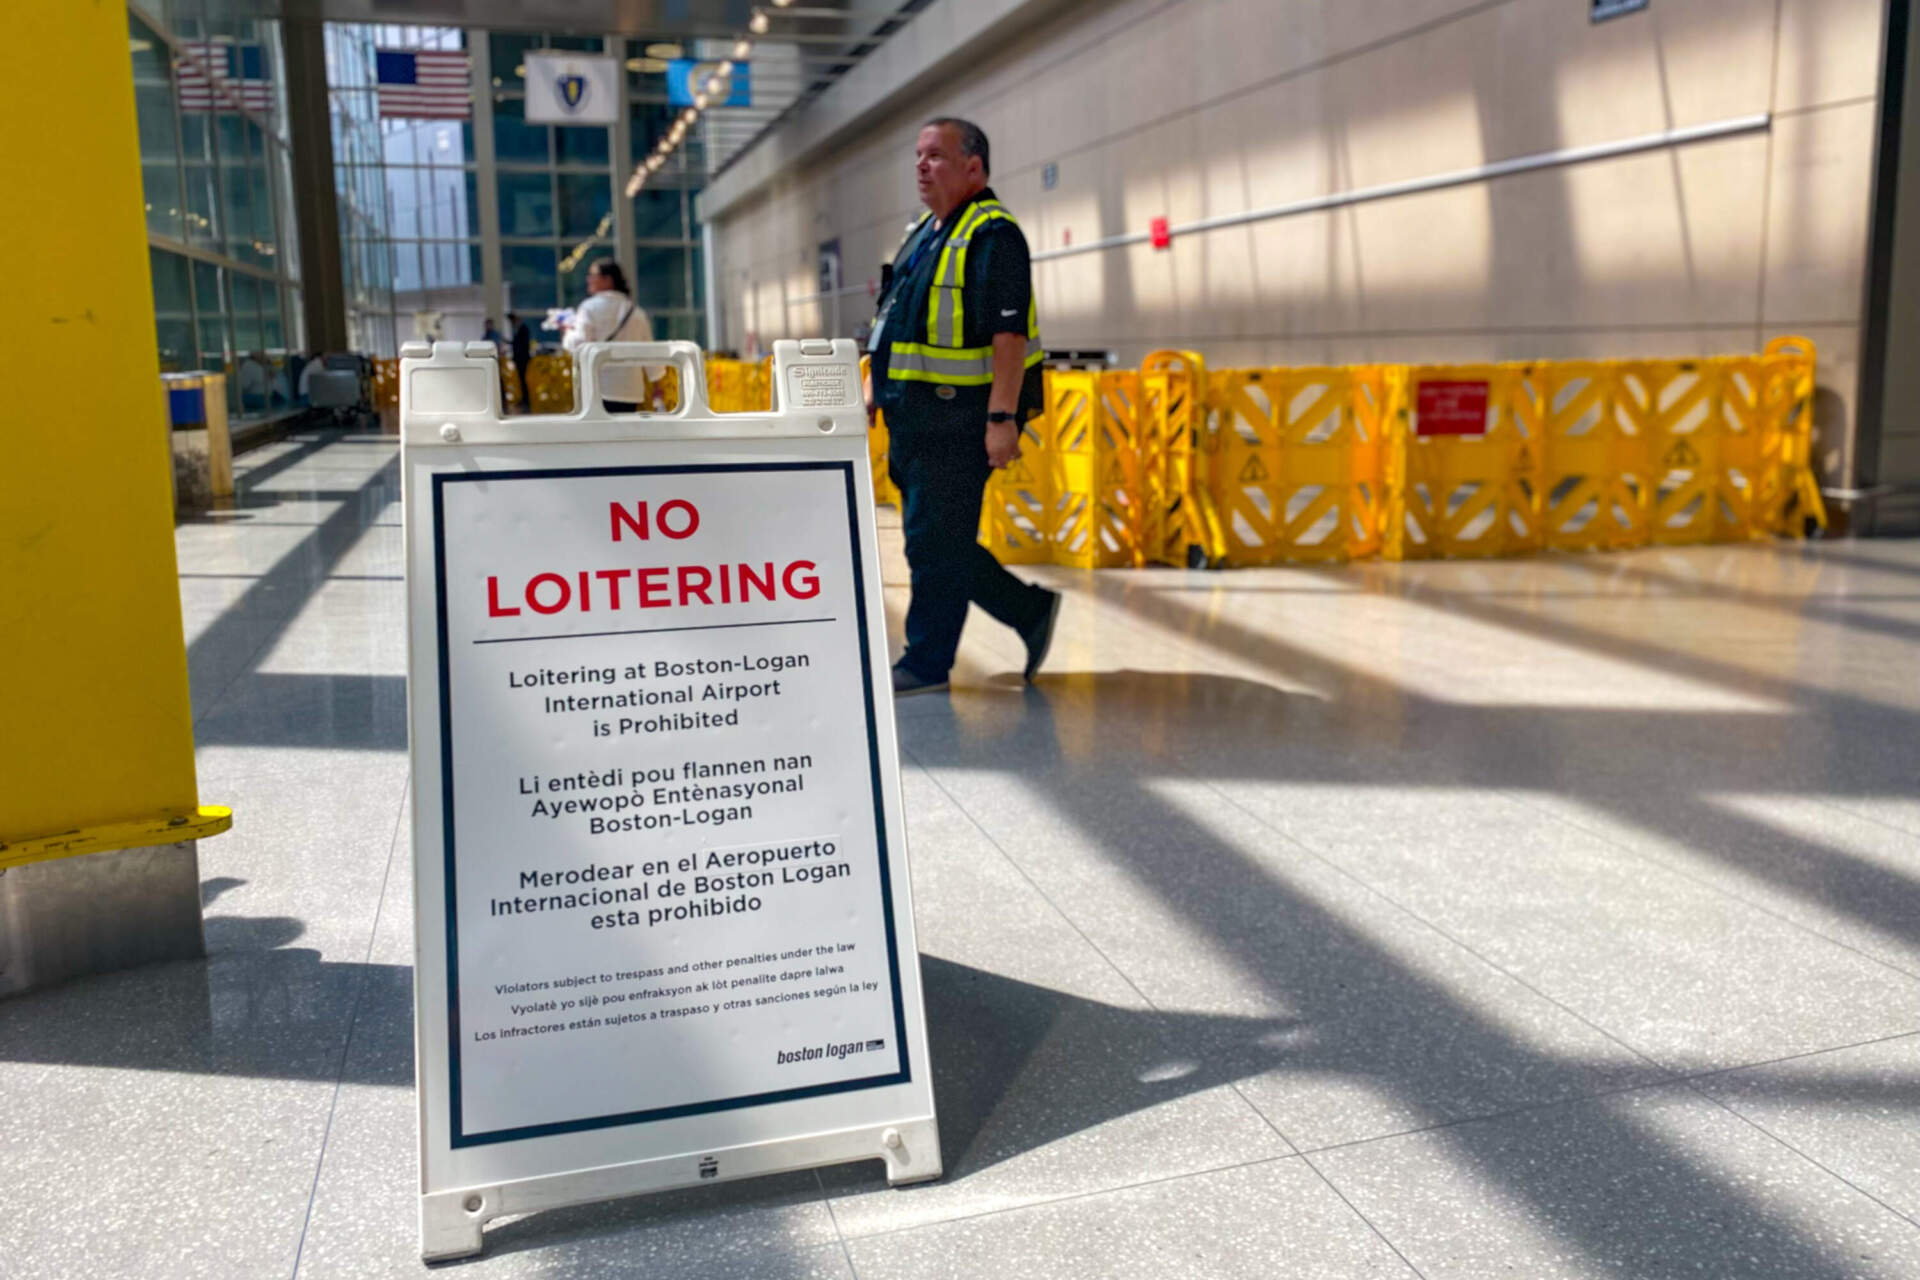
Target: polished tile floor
(1541, 918)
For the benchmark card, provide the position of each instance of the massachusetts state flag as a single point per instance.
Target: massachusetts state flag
(425, 84)
(216, 76)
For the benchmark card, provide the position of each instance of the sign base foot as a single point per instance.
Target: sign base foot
(450, 1225)
(912, 1153)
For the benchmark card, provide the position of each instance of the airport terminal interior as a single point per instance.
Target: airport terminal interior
(1466, 823)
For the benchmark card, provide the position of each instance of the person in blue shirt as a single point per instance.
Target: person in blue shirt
(956, 368)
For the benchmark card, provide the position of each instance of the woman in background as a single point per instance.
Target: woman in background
(609, 315)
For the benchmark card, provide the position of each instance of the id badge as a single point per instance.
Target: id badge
(879, 326)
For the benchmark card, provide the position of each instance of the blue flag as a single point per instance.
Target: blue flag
(687, 76)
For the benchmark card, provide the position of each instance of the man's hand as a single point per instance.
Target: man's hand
(1009, 369)
(1003, 443)
(866, 393)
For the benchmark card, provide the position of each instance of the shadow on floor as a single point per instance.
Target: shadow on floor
(1609, 1182)
(256, 1006)
(1017, 1065)
(316, 712)
(231, 647)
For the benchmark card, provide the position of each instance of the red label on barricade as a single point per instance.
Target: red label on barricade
(1451, 409)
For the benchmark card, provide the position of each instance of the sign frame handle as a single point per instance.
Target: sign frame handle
(686, 359)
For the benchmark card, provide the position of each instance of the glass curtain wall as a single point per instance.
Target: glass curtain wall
(416, 201)
(415, 234)
(222, 239)
(360, 189)
(667, 272)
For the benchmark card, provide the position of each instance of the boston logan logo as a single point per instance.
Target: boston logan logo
(815, 1052)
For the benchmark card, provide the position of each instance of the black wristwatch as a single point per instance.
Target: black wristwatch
(1000, 415)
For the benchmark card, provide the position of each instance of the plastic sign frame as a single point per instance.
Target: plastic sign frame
(563, 1129)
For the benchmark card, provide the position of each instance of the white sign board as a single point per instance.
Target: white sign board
(664, 930)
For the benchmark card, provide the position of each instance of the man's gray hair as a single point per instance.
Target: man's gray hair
(973, 139)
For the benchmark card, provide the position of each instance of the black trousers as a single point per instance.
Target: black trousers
(942, 477)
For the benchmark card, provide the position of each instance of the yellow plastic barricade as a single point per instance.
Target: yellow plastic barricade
(1089, 489)
(1596, 487)
(386, 385)
(1466, 494)
(734, 386)
(1294, 462)
(1174, 464)
(745, 386)
(667, 389)
(1102, 438)
(884, 491)
(1703, 423)
(550, 383)
(718, 398)
(1789, 494)
(1187, 526)
(1021, 507)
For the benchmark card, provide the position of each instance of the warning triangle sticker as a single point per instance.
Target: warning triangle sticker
(1523, 460)
(1116, 474)
(1253, 472)
(1681, 457)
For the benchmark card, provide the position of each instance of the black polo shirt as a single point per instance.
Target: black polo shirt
(997, 294)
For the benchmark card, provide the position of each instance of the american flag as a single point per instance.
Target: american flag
(425, 84)
(213, 75)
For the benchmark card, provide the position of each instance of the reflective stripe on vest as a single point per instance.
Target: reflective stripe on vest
(955, 366)
(941, 358)
(946, 308)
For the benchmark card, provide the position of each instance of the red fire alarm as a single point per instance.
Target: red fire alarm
(1158, 230)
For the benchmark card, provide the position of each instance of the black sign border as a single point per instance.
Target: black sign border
(462, 1139)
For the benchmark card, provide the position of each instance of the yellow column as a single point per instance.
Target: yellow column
(96, 735)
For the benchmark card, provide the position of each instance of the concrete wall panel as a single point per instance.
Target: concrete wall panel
(1829, 51)
(1817, 215)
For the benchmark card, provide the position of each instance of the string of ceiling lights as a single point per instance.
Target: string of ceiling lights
(712, 90)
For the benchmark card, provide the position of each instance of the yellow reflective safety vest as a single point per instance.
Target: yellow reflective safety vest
(936, 340)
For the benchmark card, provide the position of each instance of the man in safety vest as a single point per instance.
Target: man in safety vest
(956, 368)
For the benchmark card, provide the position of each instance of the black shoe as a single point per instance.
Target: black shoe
(906, 683)
(1039, 637)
